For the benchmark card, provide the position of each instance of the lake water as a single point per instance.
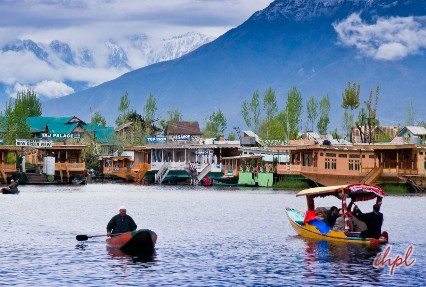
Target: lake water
(206, 237)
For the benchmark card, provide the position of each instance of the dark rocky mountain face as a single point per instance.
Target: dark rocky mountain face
(301, 43)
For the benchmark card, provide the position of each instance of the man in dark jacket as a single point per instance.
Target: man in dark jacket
(121, 223)
(373, 220)
(331, 217)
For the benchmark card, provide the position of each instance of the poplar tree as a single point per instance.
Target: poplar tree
(251, 112)
(270, 108)
(17, 110)
(350, 100)
(123, 108)
(312, 111)
(215, 125)
(293, 110)
(324, 110)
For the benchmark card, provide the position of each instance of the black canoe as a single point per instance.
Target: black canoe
(7, 190)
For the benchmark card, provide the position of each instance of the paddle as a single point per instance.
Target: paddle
(85, 237)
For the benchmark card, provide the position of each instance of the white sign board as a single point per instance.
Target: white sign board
(34, 142)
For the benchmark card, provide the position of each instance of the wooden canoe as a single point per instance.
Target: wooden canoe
(141, 241)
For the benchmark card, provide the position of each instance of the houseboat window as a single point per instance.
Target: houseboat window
(363, 156)
(371, 156)
(321, 154)
(420, 152)
(333, 164)
(354, 165)
(330, 154)
(330, 164)
(354, 156)
(343, 155)
(327, 163)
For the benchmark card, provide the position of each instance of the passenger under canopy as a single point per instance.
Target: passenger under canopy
(356, 192)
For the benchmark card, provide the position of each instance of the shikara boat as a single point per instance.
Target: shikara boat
(8, 190)
(140, 241)
(307, 226)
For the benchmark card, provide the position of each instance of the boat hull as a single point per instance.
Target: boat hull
(309, 231)
(140, 241)
(7, 190)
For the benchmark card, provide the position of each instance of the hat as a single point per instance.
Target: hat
(11, 180)
(122, 207)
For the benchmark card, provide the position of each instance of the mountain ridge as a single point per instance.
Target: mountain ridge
(278, 52)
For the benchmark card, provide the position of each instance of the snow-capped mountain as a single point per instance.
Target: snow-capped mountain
(70, 65)
(316, 45)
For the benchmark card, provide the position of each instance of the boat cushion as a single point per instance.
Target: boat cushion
(320, 225)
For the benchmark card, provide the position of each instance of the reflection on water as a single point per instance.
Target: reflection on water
(207, 237)
(117, 254)
(347, 259)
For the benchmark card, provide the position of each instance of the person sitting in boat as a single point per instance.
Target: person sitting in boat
(373, 220)
(331, 217)
(357, 225)
(13, 184)
(121, 223)
(340, 223)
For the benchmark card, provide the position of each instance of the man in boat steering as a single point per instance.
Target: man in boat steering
(373, 220)
(121, 223)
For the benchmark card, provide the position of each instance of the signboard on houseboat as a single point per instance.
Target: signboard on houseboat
(66, 136)
(156, 139)
(182, 137)
(34, 142)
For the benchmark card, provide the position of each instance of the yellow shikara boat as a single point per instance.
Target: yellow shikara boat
(317, 229)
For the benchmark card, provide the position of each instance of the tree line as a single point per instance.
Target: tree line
(261, 114)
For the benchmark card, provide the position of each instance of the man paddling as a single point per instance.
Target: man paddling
(121, 223)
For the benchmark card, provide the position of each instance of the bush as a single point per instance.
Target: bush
(291, 184)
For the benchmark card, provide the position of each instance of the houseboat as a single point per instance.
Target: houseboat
(10, 157)
(334, 164)
(56, 162)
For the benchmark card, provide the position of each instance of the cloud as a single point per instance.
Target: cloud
(52, 89)
(89, 24)
(47, 89)
(391, 38)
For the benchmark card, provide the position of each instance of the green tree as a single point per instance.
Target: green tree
(367, 122)
(312, 112)
(231, 136)
(173, 116)
(149, 112)
(293, 109)
(347, 124)
(98, 119)
(350, 100)
(26, 104)
(251, 112)
(215, 125)
(324, 110)
(270, 108)
(123, 108)
(279, 127)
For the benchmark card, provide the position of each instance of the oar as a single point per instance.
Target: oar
(85, 237)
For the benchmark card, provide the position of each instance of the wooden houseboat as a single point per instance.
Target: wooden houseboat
(132, 165)
(9, 162)
(58, 163)
(359, 163)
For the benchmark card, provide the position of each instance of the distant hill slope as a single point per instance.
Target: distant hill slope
(292, 42)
